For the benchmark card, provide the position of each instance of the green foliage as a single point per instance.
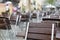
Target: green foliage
(50, 1)
(23, 8)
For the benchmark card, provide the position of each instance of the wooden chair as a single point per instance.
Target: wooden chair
(4, 23)
(40, 31)
(34, 15)
(54, 16)
(53, 19)
(57, 20)
(6, 14)
(13, 18)
(25, 18)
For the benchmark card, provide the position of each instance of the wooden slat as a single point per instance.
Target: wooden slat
(49, 22)
(13, 17)
(51, 19)
(34, 15)
(24, 17)
(39, 36)
(38, 39)
(20, 36)
(40, 25)
(4, 23)
(41, 31)
(5, 14)
(54, 16)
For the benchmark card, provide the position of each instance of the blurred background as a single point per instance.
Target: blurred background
(16, 17)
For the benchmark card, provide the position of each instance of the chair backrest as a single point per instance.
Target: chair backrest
(1, 21)
(34, 15)
(25, 18)
(4, 23)
(5, 14)
(13, 17)
(40, 31)
(41, 25)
